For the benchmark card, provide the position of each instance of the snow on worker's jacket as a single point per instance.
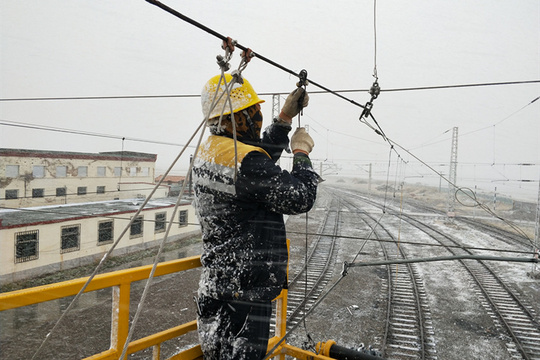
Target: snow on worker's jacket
(244, 245)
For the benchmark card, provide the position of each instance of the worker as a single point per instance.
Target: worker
(241, 195)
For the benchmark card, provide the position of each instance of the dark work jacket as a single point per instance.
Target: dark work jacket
(244, 244)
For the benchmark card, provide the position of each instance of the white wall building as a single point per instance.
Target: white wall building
(36, 177)
(40, 240)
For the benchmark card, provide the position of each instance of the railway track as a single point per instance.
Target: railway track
(306, 286)
(504, 306)
(505, 236)
(514, 318)
(408, 330)
(502, 235)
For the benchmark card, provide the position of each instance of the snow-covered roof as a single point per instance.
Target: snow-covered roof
(59, 213)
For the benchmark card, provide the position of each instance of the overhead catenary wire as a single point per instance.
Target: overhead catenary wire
(11, 123)
(340, 91)
(443, 258)
(480, 129)
(482, 206)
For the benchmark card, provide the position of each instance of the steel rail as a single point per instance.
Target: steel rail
(481, 284)
(412, 283)
(524, 351)
(319, 269)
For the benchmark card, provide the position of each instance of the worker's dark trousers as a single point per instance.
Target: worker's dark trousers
(233, 329)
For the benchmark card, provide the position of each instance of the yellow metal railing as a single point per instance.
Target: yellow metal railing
(120, 282)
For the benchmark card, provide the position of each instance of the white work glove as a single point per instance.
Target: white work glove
(292, 106)
(301, 142)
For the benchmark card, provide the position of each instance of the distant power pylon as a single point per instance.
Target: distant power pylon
(275, 106)
(452, 177)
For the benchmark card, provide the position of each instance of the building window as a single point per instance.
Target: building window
(70, 238)
(61, 171)
(101, 171)
(136, 229)
(12, 171)
(61, 191)
(161, 219)
(38, 171)
(38, 193)
(26, 246)
(105, 232)
(12, 194)
(133, 171)
(145, 171)
(117, 171)
(100, 190)
(82, 171)
(183, 218)
(81, 190)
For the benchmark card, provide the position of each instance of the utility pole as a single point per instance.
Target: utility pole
(369, 181)
(452, 177)
(190, 175)
(536, 245)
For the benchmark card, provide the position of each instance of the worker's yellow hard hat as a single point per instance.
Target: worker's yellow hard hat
(242, 97)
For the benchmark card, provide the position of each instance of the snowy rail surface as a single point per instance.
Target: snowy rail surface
(517, 322)
(408, 330)
(307, 285)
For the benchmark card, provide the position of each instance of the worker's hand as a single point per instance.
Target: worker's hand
(292, 105)
(301, 142)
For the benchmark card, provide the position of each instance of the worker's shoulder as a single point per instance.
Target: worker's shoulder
(222, 150)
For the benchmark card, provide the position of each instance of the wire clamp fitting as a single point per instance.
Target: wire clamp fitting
(375, 90)
(237, 77)
(223, 64)
(367, 110)
(247, 55)
(345, 270)
(302, 81)
(302, 76)
(223, 61)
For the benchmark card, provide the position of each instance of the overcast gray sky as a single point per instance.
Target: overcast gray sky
(59, 48)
